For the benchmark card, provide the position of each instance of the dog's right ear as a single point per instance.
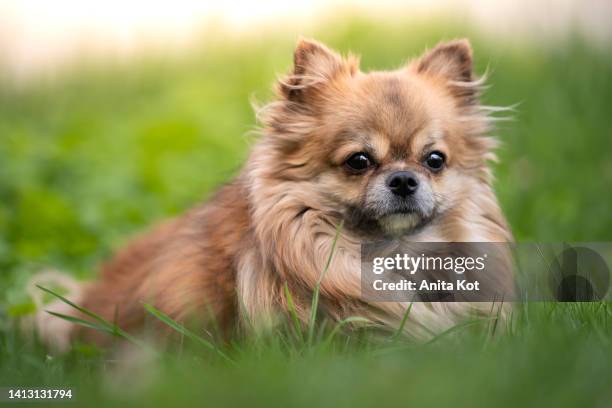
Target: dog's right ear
(314, 65)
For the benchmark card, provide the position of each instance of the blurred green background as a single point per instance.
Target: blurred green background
(97, 154)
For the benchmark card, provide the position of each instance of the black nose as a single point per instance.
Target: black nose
(403, 183)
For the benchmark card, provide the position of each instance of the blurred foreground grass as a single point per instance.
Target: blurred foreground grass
(103, 151)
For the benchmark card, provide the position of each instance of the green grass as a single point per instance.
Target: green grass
(91, 157)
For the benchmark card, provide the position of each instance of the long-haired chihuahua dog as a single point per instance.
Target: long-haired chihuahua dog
(399, 153)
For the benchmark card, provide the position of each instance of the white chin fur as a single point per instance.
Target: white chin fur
(397, 224)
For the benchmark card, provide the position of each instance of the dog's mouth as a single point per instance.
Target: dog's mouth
(399, 221)
(401, 211)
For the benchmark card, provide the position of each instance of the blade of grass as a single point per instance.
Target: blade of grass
(293, 313)
(103, 326)
(81, 322)
(457, 327)
(184, 331)
(108, 329)
(75, 306)
(340, 325)
(490, 333)
(497, 317)
(395, 348)
(400, 329)
(315, 296)
(217, 332)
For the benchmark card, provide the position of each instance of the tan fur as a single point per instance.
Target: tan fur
(276, 222)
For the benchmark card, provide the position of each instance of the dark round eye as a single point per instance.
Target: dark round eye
(359, 162)
(435, 160)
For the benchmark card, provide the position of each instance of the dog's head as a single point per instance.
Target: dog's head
(390, 150)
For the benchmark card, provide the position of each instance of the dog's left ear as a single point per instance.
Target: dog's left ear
(451, 60)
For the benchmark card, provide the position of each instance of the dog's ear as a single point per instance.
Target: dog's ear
(451, 60)
(314, 65)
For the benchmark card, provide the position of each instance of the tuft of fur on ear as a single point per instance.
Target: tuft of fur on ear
(313, 64)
